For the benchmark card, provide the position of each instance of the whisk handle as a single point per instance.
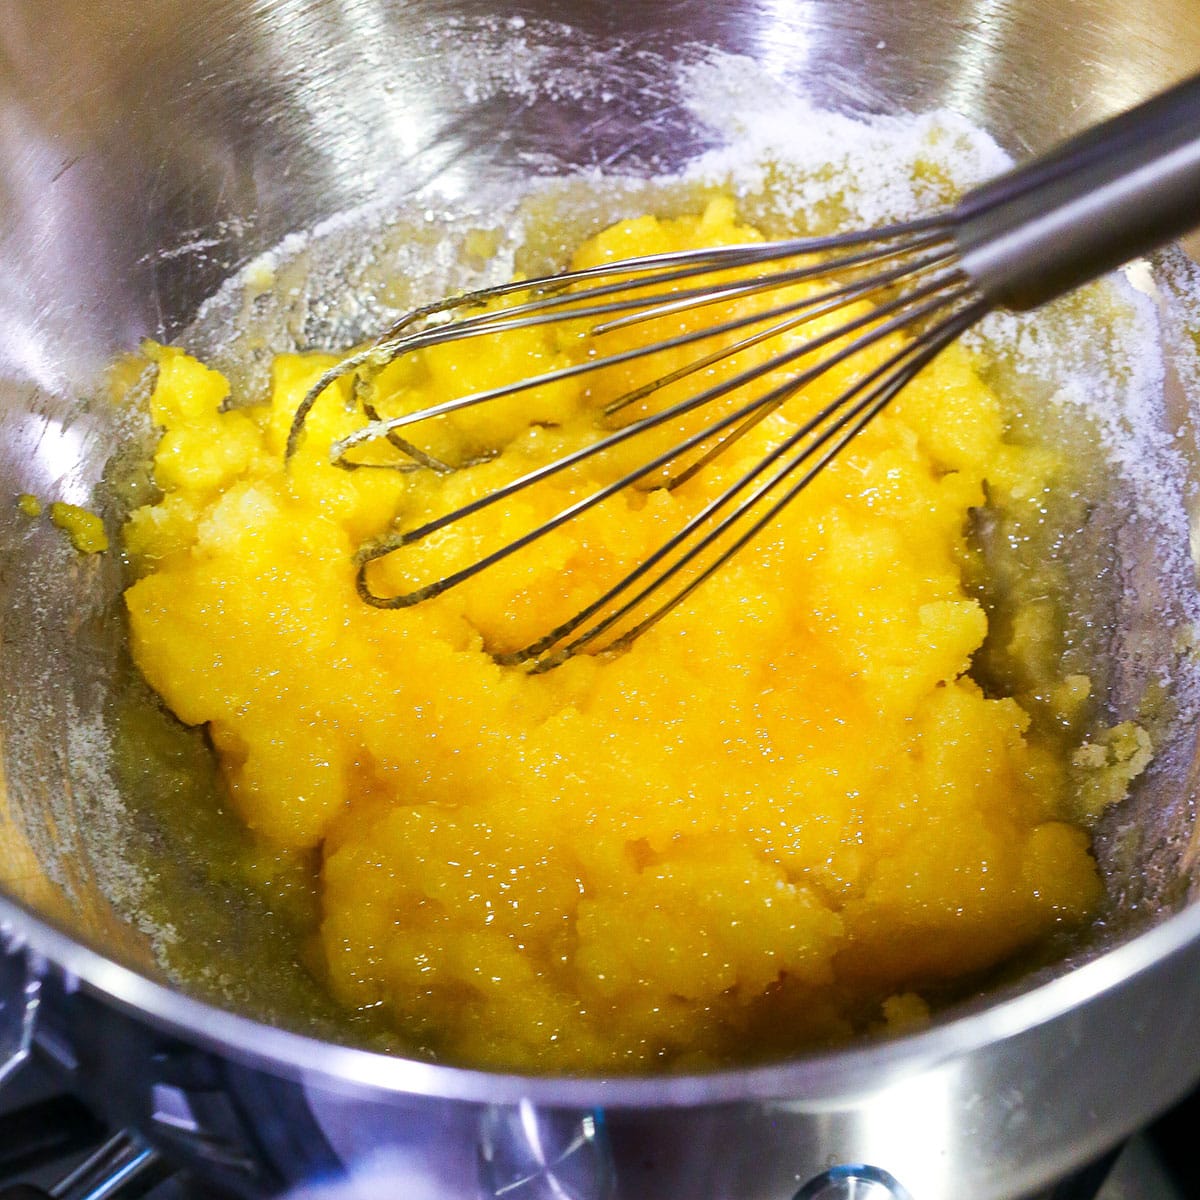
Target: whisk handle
(1100, 199)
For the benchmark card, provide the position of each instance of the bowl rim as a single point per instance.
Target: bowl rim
(825, 1078)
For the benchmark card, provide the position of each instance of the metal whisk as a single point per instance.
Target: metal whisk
(1099, 200)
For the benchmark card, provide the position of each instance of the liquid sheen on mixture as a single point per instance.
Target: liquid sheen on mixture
(786, 815)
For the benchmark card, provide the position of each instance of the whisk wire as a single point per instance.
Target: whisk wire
(895, 310)
(796, 313)
(805, 310)
(933, 288)
(878, 389)
(543, 310)
(693, 298)
(886, 319)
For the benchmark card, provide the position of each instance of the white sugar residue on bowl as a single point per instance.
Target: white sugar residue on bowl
(875, 171)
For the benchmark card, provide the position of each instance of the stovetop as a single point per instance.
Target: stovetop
(50, 1141)
(49, 1138)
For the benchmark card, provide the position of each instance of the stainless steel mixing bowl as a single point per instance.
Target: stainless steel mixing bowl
(149, 152)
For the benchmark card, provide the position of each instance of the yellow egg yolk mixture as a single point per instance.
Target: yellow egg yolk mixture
(776, 820)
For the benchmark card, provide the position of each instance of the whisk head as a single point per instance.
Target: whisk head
(875, 307)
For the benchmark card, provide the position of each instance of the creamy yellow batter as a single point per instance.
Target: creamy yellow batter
(777, 819)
